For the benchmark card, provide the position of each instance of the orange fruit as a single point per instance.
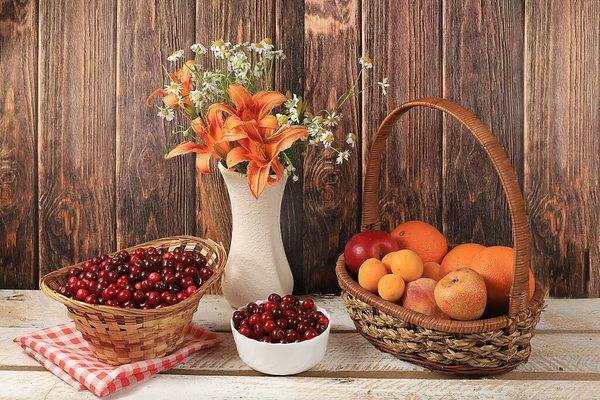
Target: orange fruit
(461, 294)
(460, 256)
(432, 270)
(391, 287)
(496, 265)
(369, 274)
(405, 263)
(423, 239)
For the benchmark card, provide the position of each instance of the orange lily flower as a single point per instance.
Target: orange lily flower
(211, 135)
(182, 77)
(251, 109)
(262, 155)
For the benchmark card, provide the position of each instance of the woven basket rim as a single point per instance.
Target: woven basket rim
(348, 284)
(190, 301)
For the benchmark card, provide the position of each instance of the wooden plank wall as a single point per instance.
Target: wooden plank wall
(81, 167)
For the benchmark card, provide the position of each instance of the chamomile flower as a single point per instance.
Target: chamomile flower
(366, 62)
(197, 98)
(342, 156)
(351, 139)
(282, 119)
(327, 139)
(257, 48)
(267, 44)
(332, 119)
(218, 45)
(199, 48)
(173, 88)
(176, 55)
(383, 85)
(293, 102)
(166, 113)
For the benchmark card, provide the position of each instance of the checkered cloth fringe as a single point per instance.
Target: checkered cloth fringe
(62, 351)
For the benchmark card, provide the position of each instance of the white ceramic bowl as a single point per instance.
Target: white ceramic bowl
(281, 359)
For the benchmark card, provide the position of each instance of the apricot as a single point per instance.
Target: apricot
(391, 287)
(369, 274)
(418, 296)
(405, 263)
(461, 294)
(432, 270)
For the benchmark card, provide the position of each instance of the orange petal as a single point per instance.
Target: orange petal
(203, 162)
(198, 126)
(223, 107)
(278, 169)
(236, 156)
(171, 100)
(257, 178)
(186, 147)
(156, 92)
(285, 137)
(266, 101)
(240, 97)
(268, 121)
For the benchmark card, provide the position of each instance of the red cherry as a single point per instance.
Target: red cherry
(191, 272)
(206, 273)
(147, 286)
(170, 299)
(168, 256)
(81, 294)
(277, 334)
(310, 334)
(181, 296)
(291, 314)
(139, 296)
(269, 305)
(246, 331)
(124, 296)
(190, 290)
(288, 298)
(274, 297)
(91, 299)
(153, 299)
(186, 282)
(269, 326)
(266, 339)
(122, 282)
(324, 320)
(154, 277)
(87, 266)
(112, 303)
(254, 319)
(308, 304)
(72, 280)
(266, 316)
(109, 293)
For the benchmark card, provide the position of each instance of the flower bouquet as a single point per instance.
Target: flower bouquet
(236, 117)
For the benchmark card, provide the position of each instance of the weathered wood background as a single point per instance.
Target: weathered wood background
(81, 167)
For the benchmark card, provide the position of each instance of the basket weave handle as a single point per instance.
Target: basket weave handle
(519, 299)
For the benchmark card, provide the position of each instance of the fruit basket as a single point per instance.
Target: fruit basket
(479, 347)
(121, 335)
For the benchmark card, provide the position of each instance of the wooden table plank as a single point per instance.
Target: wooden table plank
(32, 309)
(27, 385)
(349, 354)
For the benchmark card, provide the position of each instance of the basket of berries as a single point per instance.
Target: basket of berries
(470, 311)
(137, 304)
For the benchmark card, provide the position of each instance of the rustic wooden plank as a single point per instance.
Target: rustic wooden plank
(331, 192)
(349, 354)
(76, 132)
(32, 309)
(562, 169)
(18, 145)
(410, 183)
(27, 385)
(289, 36)
(483, 71)
(155, 197)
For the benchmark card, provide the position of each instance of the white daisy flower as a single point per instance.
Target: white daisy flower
(199, 48)
(332, 119)
(342, 156)
(257, 48)
(173, 88)
(366, 62)
(197, 98)
(351, 139)
(383, 85)
(293, 102)
(267, 44)
(175, 56)
(327, 139)
(282, 119)
(166, 113)
(218, 45)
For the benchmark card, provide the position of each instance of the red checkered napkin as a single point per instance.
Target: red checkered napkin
(62, 351)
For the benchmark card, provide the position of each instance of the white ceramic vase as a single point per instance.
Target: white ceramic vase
(256, 265)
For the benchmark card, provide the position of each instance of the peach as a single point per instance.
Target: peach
(433, 270)
(418, 296)
(405, 263)
(391, 287)
(461, 294)
(369, 274)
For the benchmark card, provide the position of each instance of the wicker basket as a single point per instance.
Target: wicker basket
(480, 347)
(120, 335)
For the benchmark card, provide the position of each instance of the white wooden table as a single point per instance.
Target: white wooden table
(565, 363)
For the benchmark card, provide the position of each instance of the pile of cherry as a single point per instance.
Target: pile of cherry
(148, 278)
(280, 320)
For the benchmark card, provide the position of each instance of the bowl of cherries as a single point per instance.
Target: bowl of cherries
(281, 335)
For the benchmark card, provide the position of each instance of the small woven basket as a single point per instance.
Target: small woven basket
(120, 335)
(480, 347)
